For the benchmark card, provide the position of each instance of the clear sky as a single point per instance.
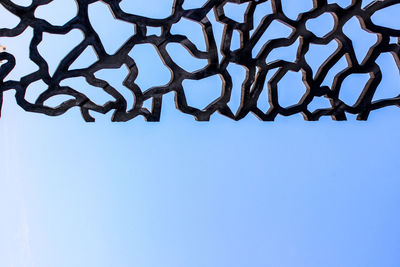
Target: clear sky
(180, 193)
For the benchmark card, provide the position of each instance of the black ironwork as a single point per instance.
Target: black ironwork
(257, 67)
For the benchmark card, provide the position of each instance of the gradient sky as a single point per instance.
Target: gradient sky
(180, 193)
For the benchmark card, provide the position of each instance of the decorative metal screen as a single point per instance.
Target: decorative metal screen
(257, 66)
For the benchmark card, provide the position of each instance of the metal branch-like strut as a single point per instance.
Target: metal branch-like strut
(257, 67)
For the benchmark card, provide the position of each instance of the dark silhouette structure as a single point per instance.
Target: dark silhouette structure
(256, 66)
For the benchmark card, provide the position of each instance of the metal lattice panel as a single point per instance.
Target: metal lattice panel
(257, 67)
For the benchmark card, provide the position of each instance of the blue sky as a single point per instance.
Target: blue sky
(182, 193)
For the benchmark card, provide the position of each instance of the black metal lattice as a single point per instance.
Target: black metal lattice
(257, 68)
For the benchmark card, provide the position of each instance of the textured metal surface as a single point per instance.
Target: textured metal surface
(257, 68)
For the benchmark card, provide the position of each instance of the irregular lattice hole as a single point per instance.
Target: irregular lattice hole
(319, 103)
(291, 89)
(148, 104)
(318, 54)
(8, 19)
(22, 2)
(181, 56)
(201, 93)
(57, 12)
(274, 31)
(394, 40)
(191, 4)
(18, 46)
(153, 31)
(102, 119)
(235, 42)
(289, 119)
(321, 25)
(388, 17)
(57, 100)
(150, 8)
(287, 53)
(263, 98)
(389, 87)
(170, 112)
(34, 90)
(261, 11)
(95, 94)
(238, 76)
(337, 68)
(57, 52)
(113, 32)
(85, 59)
(192, 30)
(352, 88)
(362, 40)
(152, 71)
(116, 78)
(218, 31)
(236, 11)
(293, 9)
(341, 3)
